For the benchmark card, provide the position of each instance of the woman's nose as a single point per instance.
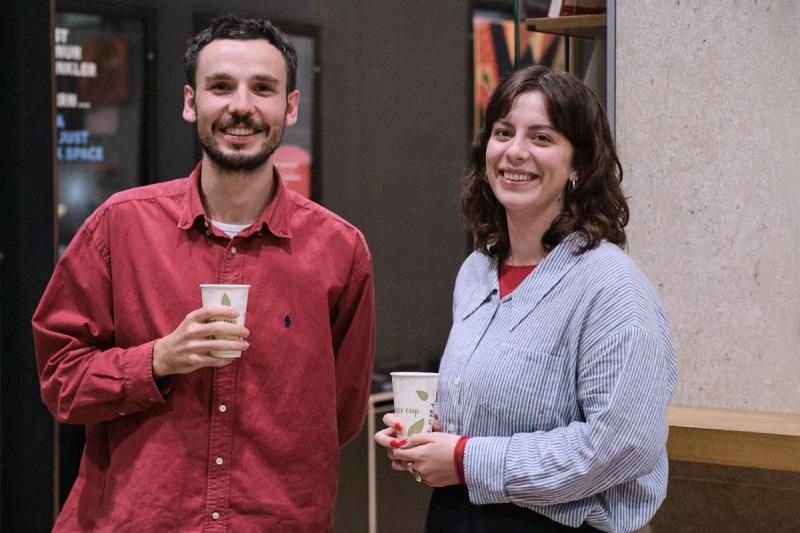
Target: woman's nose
(517, 149)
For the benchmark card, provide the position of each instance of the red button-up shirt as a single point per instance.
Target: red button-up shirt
(253, 446)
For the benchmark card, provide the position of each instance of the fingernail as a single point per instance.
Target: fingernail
(398, 443)
(398, 426)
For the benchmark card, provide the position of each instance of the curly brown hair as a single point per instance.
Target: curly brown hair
(595, 207)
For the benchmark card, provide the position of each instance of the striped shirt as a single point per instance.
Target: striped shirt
(563, 387)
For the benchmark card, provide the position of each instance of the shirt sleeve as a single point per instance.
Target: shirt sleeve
(624, 394)
(84, 377)
(353, 329)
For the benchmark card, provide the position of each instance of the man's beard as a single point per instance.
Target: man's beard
(238, 162)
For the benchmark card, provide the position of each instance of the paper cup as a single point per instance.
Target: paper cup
(414, 398)
(232, 296)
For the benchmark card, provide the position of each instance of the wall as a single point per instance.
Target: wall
(707, 125)
(27, 250)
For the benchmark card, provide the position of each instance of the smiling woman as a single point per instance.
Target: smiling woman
(559, 367)
(528, 164)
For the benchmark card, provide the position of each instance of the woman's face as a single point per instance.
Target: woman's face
(528, 162)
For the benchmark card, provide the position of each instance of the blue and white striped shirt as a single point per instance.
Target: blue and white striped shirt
(563, 387)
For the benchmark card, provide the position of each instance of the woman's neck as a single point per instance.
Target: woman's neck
(525, 240)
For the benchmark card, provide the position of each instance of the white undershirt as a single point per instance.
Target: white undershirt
(231, 229)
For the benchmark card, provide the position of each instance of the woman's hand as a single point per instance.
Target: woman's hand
(430, 454)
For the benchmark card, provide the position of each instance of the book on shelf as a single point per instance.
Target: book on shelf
(566, 8)
(535, 9)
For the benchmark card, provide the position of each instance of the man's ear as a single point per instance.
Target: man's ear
(189, 112)
(292, 107)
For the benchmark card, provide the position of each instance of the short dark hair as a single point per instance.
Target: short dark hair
(595, 207)
(233, 27)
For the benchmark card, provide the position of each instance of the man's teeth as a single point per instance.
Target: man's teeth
(517, 177)
(241, 131)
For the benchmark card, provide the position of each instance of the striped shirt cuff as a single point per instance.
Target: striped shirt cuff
(484, 469)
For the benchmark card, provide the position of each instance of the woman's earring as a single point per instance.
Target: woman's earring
(571, 185)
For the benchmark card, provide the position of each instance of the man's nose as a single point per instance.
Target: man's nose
(241, 102)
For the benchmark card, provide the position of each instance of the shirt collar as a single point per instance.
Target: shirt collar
(535, 287)
(274, 218)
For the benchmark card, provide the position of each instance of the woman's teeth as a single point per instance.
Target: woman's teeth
(517, 177)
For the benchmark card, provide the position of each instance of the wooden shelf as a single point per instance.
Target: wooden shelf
(736, 438)
(586, 26)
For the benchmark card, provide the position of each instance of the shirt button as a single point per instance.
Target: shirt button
(477, 339)
(223, 408)
(456, 381)
(121, 414)
(218, 460)
(233, 249)
(451, 427)
(215, 515)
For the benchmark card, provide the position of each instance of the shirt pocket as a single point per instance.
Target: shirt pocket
(521, 391)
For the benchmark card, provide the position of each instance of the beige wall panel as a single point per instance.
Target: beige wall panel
(708, 126)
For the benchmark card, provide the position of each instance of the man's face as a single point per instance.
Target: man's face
(240, 103)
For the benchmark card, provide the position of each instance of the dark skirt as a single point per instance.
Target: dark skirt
(451, 511)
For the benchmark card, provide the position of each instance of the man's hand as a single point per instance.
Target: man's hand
(189, 347)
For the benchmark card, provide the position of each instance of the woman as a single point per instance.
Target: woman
(558, 372)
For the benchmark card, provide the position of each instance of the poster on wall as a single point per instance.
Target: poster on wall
(294, 158)
(493, 54)
(100, 66)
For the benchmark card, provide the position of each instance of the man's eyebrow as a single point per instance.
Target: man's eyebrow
(258, 77)
(218, 76)
(266, 77)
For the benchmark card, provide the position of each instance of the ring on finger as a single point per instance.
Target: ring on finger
(410, 468)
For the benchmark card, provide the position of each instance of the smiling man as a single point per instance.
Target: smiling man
(177, 439)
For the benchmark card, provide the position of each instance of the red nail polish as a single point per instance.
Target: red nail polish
(398, 426)
(402, 442)
(394, 443)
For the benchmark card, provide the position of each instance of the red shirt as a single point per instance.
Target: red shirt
(511, 276)
(253, 446)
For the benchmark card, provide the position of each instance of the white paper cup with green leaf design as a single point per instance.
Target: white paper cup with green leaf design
(232, 296)
(414, 399)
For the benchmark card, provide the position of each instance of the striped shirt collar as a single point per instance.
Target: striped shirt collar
(535, 287)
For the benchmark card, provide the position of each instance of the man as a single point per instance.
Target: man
(179, 440)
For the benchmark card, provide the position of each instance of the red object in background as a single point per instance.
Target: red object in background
(294, 165)
(582, 7)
